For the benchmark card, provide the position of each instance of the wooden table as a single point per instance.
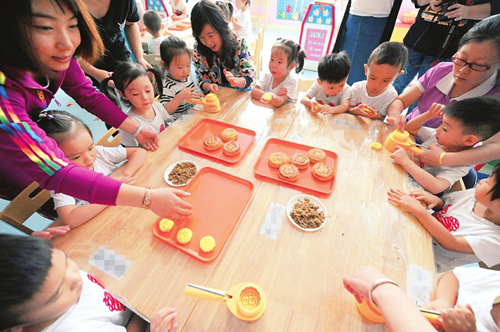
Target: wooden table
(301, 273)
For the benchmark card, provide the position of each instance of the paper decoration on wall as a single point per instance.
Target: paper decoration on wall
(291, 10)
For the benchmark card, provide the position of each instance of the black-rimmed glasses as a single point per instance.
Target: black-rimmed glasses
(473, 66)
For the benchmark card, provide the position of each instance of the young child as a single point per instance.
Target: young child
(179, 85)
(180, 9)
(465, 123)
(281, 82)
(75, 139)
(43, 290)
(371, 98)
(466, 224)
(242, 22)
(152, 21)
(138, 90)
(330, 91)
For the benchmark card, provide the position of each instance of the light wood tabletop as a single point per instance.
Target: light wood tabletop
(300, 272)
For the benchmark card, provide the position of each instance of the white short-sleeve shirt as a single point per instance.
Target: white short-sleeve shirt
(380, 103)
(290, 83)
(316, 92)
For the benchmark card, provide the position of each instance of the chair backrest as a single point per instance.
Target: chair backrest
(24, 205)
(304, 85)
(108, 139)
(153, 59)
(259, 13)
(260, 53)
(457, 186)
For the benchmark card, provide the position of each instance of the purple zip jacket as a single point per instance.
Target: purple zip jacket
(27, 154)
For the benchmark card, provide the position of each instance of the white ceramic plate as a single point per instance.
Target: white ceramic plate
(314, 201)
(171, 167)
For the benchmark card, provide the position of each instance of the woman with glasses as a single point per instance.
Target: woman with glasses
(473, 72)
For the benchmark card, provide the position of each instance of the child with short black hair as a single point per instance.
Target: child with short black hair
(179, 85)
(330, 94)
(154, 26)
(466, 224)
(74, 138)
(371, 98)
(43, 290)
(465, 123)
(281, 82)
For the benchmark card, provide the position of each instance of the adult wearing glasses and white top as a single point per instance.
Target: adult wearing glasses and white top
(473, 72)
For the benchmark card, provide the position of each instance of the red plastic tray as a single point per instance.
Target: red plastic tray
(218, 199)
(305, 180)
(180, 26)
(193, 139)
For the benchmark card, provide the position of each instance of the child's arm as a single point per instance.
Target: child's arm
(404, 100)
(136, 157)
(434, 227)
(342, 108)
(307, 101)
(433, 202)
(436, 111)
(425, 179)
(446, 293)
(366, 111)
(257, 92)
(181, 16)
(75, 216)
(186, 93)
(235, 23)
(280, 97)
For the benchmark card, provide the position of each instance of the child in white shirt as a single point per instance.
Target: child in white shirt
(75, 139)
(281, 82)
(330, 94)
(52, 295)
(242, 22)
(465, 123)
(466, 224)
(137, 90)
(152, 21)
(371, 98)
(179, 8)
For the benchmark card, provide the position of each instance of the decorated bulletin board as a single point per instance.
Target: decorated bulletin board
(316, 33)
(291, 10)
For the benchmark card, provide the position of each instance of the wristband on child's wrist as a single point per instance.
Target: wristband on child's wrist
(440, 162)
(138, 131)
(377, 283)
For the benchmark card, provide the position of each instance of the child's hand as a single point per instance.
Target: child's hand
(400, 156)
(49, 233)
(436, 110)
(189, 93)
(164, 320)
(315, 106)
(282, 92)
(404, 200)
(168, 203)
(437, 305)
(235, 82)
(459, 319)
(424, 196)
(367, 111)
(210, 87)
(325, 110)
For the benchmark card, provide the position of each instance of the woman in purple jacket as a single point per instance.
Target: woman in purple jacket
(38, 49)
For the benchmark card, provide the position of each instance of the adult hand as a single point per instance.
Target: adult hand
(431, 156)
(458, 12)
(235, 82)
(148, 139)
(164, 320)
(399, 121)
(168, 203)
(50, 232)
(144, 63)
(402, 199)
(424, 196)
(459, 319)
(360, 283)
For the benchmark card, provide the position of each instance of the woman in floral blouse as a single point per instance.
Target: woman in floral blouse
(220, 56)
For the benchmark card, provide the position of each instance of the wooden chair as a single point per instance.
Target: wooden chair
(304, 85)
(253, 49)
(259, 13)
(153, 59)
(457, 186)
(260, 53)
(494, 267)
(108, 139)
(24, 205)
